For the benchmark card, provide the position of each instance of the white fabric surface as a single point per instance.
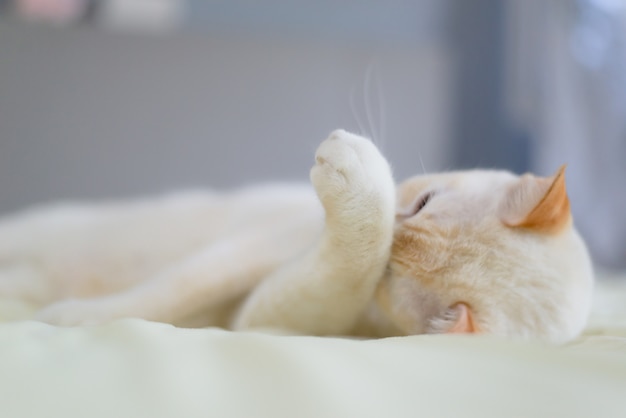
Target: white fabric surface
(134, 368)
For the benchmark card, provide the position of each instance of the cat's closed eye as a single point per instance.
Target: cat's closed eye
(421, 203)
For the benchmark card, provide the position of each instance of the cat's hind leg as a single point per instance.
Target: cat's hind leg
(222, 272)
(328, 288)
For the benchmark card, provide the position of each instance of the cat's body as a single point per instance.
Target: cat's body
(51, 254)
(479, 251)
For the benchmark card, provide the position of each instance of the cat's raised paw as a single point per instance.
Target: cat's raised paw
(349, 172)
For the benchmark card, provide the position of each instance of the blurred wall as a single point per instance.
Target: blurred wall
(566, 85)
(88, 113)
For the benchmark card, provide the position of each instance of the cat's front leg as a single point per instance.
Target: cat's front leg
(329, 287)
(355, 185)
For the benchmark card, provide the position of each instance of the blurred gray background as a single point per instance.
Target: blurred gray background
(86, 111)
(119, 98)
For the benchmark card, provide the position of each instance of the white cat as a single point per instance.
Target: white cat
(475, 251)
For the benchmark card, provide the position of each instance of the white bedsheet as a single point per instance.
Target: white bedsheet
(134, 368)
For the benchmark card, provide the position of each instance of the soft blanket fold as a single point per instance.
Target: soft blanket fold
(134, 368)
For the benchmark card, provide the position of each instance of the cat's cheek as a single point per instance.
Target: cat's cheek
(406, 304)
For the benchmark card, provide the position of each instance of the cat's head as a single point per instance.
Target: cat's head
(487, 251)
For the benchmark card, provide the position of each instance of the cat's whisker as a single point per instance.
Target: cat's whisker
(367, 82)
(382, 114)
(355, 113)
(419, 155)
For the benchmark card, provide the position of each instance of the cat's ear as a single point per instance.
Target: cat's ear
(537, 203)
(457, 319)
(464, 322)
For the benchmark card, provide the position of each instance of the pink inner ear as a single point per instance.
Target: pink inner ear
(538, 204)
(465, 322)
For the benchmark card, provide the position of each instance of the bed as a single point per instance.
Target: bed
(135, 368)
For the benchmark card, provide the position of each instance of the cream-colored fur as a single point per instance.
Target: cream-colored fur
(274, 257)
(518, 281)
